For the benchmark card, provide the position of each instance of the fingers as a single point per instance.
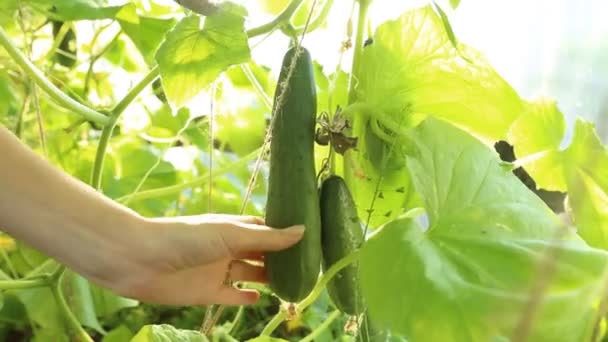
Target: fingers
(252, 256)
(243, 271)
(213, 218)
(231, 218)
(251, 219)
(196, 286)
(248, 238)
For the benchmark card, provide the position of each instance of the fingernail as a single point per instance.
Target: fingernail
(295, 230)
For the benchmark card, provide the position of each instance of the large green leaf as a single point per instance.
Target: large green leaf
(412, 67)
(410, 71)
(586, 172)
(490, 251)
(167, 333)
(537, 135)
(191, 58)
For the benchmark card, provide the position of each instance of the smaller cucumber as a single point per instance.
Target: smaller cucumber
(341, 234)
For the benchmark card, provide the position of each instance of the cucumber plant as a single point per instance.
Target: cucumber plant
(416, 230)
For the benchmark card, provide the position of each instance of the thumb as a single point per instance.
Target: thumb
(246, 237)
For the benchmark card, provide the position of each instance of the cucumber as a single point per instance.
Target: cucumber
(292, 190)
(341, 234)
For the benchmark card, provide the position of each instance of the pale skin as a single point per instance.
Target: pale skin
(176, 261)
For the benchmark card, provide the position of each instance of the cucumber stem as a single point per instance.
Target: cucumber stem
(325, 278)
(354, 77)
(355, 72)
(76, 332)
(318, 330)
(106, 133)
(23, 284)
(283, 18)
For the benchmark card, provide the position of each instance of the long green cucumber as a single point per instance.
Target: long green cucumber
(341, 233)
(292, 191)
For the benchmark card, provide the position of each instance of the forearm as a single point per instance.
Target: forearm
(54, 212)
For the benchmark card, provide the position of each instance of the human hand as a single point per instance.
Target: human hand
(180, 261)
(186, 260)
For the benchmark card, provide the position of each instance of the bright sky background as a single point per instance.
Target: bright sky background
(557, 48)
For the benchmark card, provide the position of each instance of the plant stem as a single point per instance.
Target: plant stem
(106, 133)
(135, 91)
(23, 284)
(46, 85)
(327, 276)
(319, 20)
(283, 18)
(318, 330)
(237, 320)
(355, 76)
(355, 73)
(76, 331)
(173, 189)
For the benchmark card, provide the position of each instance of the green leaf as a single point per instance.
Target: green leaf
(12, 309)
(9, 106)
(147, 34)
(585, 164)
(191, 58)
(262, 74)
(537, 135)
(447, 26)
(472, 274)
(454, 3)
(332, 90)
(107, 303)
(118, 334)
(266, 339)
(273, 7)
(412, 67)
(120, 55)
(78, 295)
(167, 333)
(69, 10)
(7, 11)
(165, 124)
(412, 70)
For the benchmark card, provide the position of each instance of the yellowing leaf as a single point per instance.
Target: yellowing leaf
(586, 172)
(536, 135)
